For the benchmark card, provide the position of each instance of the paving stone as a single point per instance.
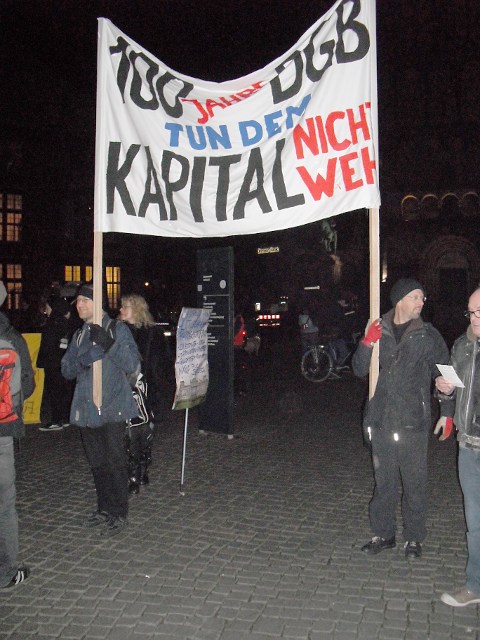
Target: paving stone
(264, 545)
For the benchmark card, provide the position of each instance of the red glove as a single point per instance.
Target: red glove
(374, 333)
(444, 427)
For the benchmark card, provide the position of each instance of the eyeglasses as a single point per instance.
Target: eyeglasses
(468, 314)
(417, 298)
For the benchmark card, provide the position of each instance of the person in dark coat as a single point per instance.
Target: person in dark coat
(11, 573)
(102, 428)
(398, 420)
(56, 335)
(150, 341)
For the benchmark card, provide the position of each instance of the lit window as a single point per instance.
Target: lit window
(10, 217)
(13, 228)
(113, 278)
(72, 273)
(12, 278)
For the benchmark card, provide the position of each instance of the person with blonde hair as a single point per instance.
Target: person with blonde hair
(134, 311)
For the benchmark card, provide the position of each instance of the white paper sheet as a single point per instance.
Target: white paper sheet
(449, 373)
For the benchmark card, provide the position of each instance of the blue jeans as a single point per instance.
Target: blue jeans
(469, 473)
(8, 513)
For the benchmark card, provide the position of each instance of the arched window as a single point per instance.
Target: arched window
(470, 204)
(450, 205)
(410, 210)
(430, 206)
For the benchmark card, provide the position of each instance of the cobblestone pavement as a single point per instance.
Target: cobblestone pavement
(264, 543)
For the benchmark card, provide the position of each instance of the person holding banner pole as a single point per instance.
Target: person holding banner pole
(102, 428)
(398, 416)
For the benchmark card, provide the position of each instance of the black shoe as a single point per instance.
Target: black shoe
(378, 544)
(114, 525)
(133, 485)
(95, 519)
(413, 549)
(20, 576)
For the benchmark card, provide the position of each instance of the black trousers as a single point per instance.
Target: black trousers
(59, 392)
(399, 464)
(105, 450)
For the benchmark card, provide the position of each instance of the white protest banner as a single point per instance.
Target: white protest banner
(191, 364)
(289, 144)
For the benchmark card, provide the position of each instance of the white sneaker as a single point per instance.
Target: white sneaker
(51, 426)
(460, 598)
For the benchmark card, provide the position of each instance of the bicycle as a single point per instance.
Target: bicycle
(322, 361)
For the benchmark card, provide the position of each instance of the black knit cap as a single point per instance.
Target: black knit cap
(85, 290)
(403, 287)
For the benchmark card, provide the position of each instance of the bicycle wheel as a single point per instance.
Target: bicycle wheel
(316, 364)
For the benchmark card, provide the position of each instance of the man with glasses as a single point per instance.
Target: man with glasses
(398, 420)
(461, 405)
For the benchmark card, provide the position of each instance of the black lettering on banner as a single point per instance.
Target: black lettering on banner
(157, 89)
(329, 48)
(283, 200)
(196, 190)
(358, 28)
(137, 82)
(116, 176)
(177, 185)
(254, 170)
(223, 163)
(174, 110)
(124, 65)
(326, 48)
(152, 197)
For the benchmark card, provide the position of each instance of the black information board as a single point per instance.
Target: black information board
(215, 292)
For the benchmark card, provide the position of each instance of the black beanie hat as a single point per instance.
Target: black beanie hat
(402, 287)
(85, 290)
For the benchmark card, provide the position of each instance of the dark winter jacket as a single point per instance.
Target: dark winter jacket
(403, 393)
(463, 404)
(121, 359)
(17, 427)
(55, 339)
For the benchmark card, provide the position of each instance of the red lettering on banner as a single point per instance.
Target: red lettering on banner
(321, 185)
(348, 172)
(368, 165)
(324, 137)
(206, 110)
(330, 129)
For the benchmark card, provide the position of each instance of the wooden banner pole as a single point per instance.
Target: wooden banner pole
(374, 243)
(97, 311)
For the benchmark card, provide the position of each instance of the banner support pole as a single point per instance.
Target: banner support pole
(97, 311)
(374, 244)
(184, 451)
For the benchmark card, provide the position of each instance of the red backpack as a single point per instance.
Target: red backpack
(10, 382)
